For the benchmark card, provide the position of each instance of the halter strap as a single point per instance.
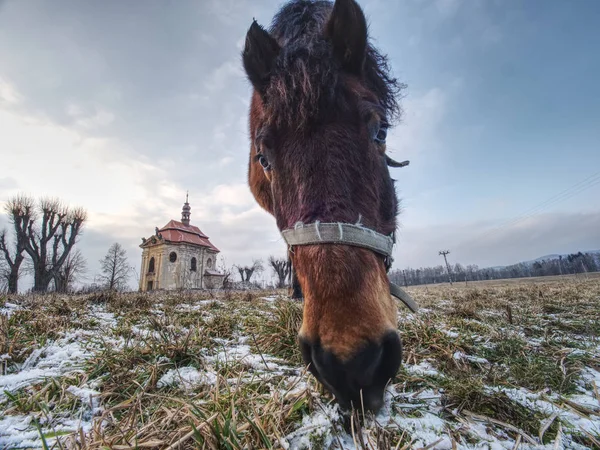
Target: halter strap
(403, 296)
(339, 233)
(348, 234)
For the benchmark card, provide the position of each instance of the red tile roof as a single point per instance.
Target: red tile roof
(178, 233)
(175, 225)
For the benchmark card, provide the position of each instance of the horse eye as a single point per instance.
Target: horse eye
(381, 134)
(263, 162)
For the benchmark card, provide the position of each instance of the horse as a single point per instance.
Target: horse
(323, 99)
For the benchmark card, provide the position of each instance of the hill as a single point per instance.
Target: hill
(551, 257)
(565, 255)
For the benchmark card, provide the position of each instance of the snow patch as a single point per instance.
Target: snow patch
(449, 333)
(317, 427)
(460, 355)
(9, 308)
(187, 378)
(423, 368)
(55, 359)
(90, 399)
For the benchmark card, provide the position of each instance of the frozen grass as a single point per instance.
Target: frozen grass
(485, 367)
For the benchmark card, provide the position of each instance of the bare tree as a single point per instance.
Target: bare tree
(115, 268)
(281, 268)
(256, 267)
(10, 265)
(227, 273)
(20, 209)
(241, 271)
(246, 272)
(74, 267)
(48, 235)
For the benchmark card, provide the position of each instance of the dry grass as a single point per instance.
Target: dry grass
(474, 354)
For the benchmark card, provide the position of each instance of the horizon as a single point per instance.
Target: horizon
(500, 123)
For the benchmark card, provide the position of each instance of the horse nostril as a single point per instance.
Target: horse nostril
(358, 382)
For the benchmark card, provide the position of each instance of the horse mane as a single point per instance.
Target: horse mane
(306, 80)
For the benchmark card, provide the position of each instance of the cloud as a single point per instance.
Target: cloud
(125, 122)
(419, 139)
(447, 8)
(221, 77)
(127, 193)
(232, 195)
(7, 184)
(55, 160)
(120, 188)
(471, 243)
(225, 161)
(89, 121)
(8, 93)
(417, 133)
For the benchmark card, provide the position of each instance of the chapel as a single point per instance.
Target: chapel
(179, 256)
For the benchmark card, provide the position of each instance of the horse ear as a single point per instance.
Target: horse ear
(260, 53)
(347, 31)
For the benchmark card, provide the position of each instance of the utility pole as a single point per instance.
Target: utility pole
(444, 253)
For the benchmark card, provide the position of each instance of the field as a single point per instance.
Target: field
(530, 280)
(486, 366)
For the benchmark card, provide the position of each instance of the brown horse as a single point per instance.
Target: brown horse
(322, 103)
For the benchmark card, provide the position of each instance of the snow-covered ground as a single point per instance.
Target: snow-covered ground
(52, 395)
(52, 360)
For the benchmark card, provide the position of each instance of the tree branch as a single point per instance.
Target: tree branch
(4, 248)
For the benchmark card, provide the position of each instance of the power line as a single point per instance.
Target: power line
(566, 194)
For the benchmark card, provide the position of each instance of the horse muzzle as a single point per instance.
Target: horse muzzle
(357, 382)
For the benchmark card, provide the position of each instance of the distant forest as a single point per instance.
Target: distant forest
(561, 265)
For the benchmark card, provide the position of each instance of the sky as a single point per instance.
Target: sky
(122, 107)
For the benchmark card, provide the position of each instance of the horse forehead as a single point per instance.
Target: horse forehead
(257, 111)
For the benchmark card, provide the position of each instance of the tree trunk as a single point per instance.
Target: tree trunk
(249, 273)
(13, 281)
(61, 284)
(14, 263)
(13, 277)
(41, 281)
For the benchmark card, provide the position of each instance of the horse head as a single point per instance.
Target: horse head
(322, 103)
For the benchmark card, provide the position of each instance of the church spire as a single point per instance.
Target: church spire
(186, 211)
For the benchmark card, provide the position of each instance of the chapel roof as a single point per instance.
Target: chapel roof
(177, 233)
(183, 232)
